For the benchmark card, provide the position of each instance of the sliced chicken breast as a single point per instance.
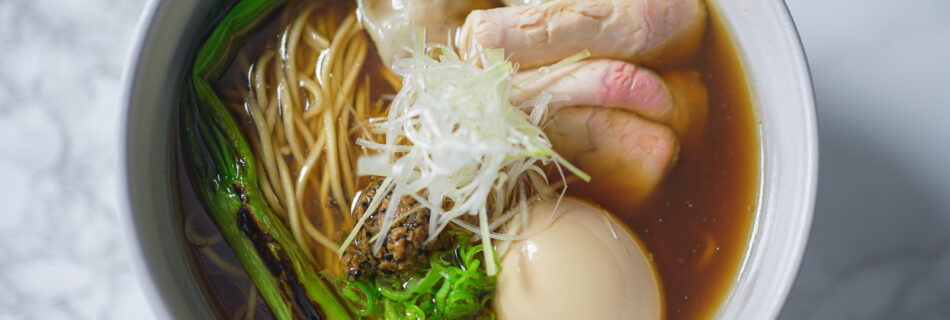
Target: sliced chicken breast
(648, 32)
(391, 22)
(627, 157)
(677, 99)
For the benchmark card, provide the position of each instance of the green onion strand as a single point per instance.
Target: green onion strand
(455, 285)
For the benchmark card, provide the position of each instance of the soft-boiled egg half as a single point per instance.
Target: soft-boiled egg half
(579, 263)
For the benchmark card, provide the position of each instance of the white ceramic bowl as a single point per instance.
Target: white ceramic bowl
(767, 43)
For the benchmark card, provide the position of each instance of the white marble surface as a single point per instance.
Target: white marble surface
(880, 241)
(879, 248)
(61, 254)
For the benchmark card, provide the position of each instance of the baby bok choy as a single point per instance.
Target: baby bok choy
(222, 168)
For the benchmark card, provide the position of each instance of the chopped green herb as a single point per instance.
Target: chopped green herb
(453, 286)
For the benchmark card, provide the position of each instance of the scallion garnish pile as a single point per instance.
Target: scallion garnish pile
(453, 137)
(455, 144)
(453, 286)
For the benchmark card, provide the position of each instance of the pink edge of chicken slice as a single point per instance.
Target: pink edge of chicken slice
(677, 99)
(602, 82)
(649, 32)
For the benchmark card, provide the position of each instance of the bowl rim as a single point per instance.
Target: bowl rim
(134, 245)
(769, 306)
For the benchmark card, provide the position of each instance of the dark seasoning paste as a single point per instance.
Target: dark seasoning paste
(696, 226)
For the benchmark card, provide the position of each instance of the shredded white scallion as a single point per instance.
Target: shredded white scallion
(452, 136)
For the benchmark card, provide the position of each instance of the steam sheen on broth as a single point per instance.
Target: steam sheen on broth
(695, 226)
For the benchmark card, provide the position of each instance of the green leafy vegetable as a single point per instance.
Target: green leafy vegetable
(223, 170)
(454, 286)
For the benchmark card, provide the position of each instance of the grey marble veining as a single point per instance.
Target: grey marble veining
(880, 243)
(61, 252)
